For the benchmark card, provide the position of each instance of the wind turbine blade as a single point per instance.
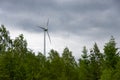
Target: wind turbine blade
(49, 36)
(41, 27)
(47, 22)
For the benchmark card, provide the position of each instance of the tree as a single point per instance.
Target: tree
(116, 75)
(20, 44)
(6, 59)
(56, 66)
(107, 74)
(96, 59)
(70, 65)
(111, 53)
(110, 61)
(84, 65)
(17, 62)
(10, 60)
(5, 41)
(68, 58)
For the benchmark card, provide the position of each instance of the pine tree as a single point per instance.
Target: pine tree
(111, 53)
(84, 65)
(96, 59)
(111, 60)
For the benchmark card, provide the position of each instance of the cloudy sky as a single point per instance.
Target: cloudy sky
(72, 23)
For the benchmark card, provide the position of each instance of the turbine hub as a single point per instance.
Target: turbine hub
(45, 29)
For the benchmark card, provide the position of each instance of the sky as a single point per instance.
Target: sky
(72, 23)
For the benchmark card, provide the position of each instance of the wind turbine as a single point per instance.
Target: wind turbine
(45, 29)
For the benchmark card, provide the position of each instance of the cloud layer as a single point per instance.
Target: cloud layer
(94, 20)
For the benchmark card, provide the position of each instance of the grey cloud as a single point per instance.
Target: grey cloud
(79, 17)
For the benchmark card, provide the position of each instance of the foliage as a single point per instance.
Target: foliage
(17, 62)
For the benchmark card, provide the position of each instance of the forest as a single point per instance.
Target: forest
(17, 62)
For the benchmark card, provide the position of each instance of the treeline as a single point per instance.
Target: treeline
(17, 62)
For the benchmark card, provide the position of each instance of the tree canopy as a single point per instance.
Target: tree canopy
(17, 62)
